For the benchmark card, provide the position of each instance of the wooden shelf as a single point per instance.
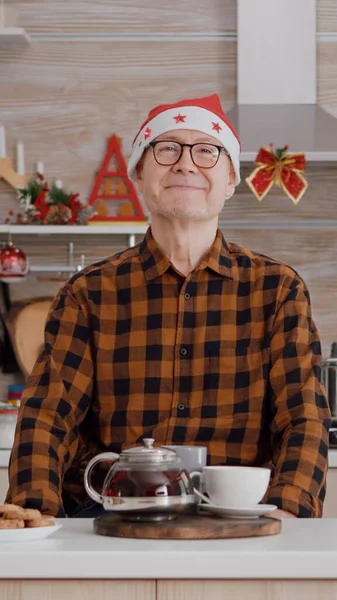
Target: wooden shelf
(13, 37)
(132, 229)
(121, 229)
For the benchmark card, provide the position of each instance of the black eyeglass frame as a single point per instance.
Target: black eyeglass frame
(190, 146)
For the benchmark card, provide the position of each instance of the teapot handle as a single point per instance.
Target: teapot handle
(87, 473)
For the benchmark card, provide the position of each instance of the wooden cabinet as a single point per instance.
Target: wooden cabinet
(168, 589)
(242, 590)
(77, 590)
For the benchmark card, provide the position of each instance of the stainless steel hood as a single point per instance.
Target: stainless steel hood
(277, 81)
(304, 127)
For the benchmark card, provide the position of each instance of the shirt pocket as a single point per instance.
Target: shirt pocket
(241, 371)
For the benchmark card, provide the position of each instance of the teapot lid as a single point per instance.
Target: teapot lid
(148, 454)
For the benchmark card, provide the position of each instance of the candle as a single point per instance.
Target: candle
(58, 184)
(20, 159)
(2, 142)
(39, 167)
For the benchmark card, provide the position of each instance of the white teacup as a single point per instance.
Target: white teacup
(236, 487)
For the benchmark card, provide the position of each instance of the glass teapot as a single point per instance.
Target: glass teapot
(144, 481)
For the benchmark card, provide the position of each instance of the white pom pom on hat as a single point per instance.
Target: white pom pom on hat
(199, 114)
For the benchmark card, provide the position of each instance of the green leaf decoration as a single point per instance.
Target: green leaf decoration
(59, 196)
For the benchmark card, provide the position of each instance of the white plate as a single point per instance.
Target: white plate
(239, 513)
(28, 534)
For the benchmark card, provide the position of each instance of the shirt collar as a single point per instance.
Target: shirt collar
(155, 263)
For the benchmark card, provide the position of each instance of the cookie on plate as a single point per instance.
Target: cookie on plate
(42, 522)
(12, 524)
(5, 508)
(31, 513)
(18, 513)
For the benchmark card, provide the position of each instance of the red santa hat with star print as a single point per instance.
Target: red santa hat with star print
(200, 114)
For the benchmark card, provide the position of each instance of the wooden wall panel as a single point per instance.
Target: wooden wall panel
(215, 17)
(318, 202)
(134, 17)
(326, 16)
(327, 75)
(128, 17)
(64, 110)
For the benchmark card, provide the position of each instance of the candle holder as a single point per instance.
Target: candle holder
(11, 176)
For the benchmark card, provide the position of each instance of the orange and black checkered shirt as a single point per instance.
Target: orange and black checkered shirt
(227, 357)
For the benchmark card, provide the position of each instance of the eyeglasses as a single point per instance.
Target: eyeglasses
(204, 156)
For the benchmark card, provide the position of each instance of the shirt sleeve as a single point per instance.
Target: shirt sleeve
(301, 416)
(54, 403)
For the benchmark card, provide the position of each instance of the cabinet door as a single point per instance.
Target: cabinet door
(78, 590)
(330, 504)
(246, 590)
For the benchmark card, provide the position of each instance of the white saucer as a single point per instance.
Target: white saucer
(239, 513)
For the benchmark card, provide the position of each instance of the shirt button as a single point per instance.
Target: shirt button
(181, 406)
(183, 351)
(187, 296)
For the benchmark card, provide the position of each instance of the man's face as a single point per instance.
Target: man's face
(183, 190)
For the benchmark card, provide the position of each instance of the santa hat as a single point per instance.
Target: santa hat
(201, 114)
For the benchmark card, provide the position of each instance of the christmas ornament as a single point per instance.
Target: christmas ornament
(14, 265)
(49, 206)
(279, 167)
(112, 185)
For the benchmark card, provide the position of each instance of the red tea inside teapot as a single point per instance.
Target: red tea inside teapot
(144, 481)
(147, 483)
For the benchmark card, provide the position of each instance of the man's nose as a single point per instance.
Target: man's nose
(185, 163)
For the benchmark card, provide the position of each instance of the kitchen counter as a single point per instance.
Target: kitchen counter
(305, 549)
(298, 564)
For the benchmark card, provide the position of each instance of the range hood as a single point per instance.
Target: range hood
(277, 99)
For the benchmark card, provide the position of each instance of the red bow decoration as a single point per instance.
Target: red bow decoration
(281, 168)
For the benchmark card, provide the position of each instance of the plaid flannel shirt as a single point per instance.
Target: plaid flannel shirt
(227, 357)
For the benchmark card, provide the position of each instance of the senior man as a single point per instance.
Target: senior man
(186, 338)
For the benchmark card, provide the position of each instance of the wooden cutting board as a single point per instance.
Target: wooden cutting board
(25, 322)
(189, 527)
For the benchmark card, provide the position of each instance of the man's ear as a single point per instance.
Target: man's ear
(139, 173)
(230, 182)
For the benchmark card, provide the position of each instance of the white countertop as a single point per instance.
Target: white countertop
(306, 548)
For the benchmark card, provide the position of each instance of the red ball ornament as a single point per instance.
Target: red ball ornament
(14, 265)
